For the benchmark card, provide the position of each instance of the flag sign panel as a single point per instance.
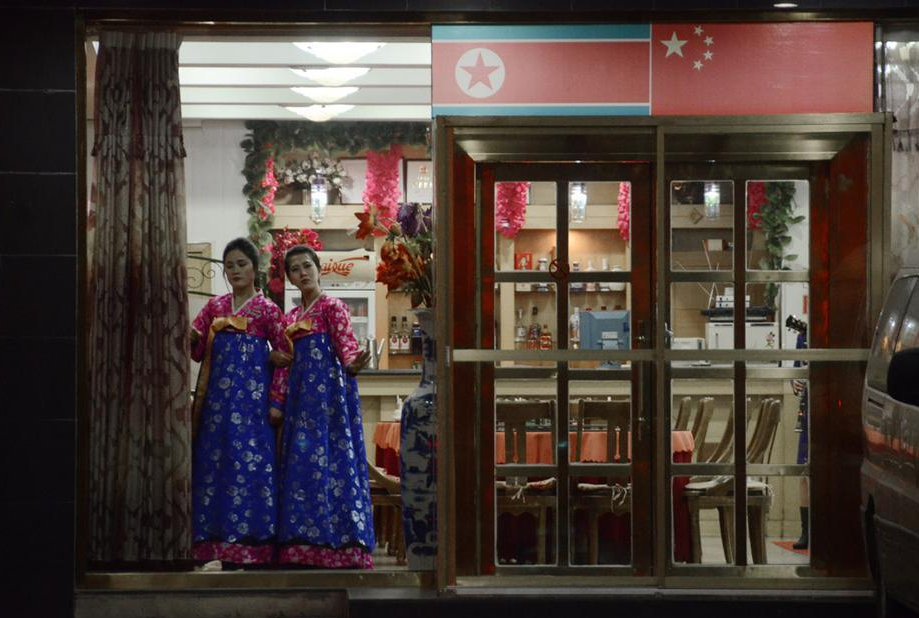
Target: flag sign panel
(664, 69)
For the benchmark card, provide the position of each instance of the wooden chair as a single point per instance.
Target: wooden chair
(682, 417)
(718, 493)
(700, 423)
(386, 498)
(611, 497)
(516, 495)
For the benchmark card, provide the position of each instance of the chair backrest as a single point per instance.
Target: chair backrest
(760, 449)
(682, 417)
(514, 415)
(700, 423)
(617, 417)
(725, 449)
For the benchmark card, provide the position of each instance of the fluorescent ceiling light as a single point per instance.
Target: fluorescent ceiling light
(335, 76)
(320, 113)
(340, 53)
(785, 5)
(325, 95)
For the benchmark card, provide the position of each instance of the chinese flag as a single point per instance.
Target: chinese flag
(764, 68)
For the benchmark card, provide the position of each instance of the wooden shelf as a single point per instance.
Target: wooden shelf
(297, 216)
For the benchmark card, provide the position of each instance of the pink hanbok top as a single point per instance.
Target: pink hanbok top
(264, 319)
(328, 315)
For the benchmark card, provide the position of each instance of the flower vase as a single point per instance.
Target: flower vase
(417, 459)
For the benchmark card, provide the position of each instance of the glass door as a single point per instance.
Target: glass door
(566, 282)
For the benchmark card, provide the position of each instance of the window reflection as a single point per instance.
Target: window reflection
(702, 224)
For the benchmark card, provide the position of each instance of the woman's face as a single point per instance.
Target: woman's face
(239, 270)
(304, 274)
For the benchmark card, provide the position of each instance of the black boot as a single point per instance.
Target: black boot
(803, 542)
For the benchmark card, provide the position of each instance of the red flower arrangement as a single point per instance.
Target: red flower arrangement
(756, 198)
(407, 254)
(382, 187)
(510, 207)
(284, 240)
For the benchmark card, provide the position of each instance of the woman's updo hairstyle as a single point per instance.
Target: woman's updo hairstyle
(246, 247)
(299, 250)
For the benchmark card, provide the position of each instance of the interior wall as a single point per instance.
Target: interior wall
(214, 201)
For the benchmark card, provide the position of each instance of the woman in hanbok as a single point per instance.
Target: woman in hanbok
(325, 514)
(234, 488)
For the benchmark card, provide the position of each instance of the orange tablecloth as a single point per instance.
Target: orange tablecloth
(540, 448)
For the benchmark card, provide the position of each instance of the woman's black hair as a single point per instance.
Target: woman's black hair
(244, 245)
(297, 250)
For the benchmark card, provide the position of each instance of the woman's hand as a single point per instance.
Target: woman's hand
(193, 337)
(359, 362)
(275, 417)
(280, 358)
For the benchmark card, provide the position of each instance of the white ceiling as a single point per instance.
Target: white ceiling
(252, 79)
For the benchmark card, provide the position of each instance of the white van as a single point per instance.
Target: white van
(890, 471)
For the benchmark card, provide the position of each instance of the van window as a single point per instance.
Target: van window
(909, 326)
(885, 337)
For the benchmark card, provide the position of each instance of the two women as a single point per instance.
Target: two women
(316, 506)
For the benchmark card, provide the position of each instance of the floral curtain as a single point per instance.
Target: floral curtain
(138, 350)
(902, 88)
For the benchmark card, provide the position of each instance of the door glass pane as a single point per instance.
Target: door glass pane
(525, 217)
(525, 503)
(702, 224)
(701, 317)
(599, 319)
(525, 318)
(599, 226)
(702, 519)
(702, 428)
(777, 317)
(778, 224)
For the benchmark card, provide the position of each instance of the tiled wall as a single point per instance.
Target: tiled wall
(38, 287)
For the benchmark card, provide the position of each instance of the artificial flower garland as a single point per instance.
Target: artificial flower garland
(625, 210)
(756, 198)
(510, 207)
(382, 182)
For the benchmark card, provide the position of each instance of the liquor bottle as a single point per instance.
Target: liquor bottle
(405, 343)
(533, 332)
(393, 336)
(520, 332)
(591, 285)
(416, 343)
(545, 338)
(574, 329)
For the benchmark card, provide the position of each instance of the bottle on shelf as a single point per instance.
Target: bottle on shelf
(533, 331)
(604, 266)
(545, 338)
(574, 329)
(576, 286)
(591, 285)
(520, 332)
(543, 266)
(405, 337)
(416, 342)
(393, 336)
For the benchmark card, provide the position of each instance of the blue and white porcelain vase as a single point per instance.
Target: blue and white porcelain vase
(417, 457)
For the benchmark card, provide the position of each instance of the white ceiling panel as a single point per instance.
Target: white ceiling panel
(284, 54)
(286, 96)
(276, 112)
(220, 76)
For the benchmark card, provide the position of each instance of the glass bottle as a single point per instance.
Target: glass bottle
(545, 338)
(394, 336)
(416, 342)
(533, 331)
(404, 336)
(520, 332)
(574, 329)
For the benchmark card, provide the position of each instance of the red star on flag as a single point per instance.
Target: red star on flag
(479, 73)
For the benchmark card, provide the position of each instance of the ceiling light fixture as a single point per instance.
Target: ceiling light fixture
(325, 95)
(319, 113)
(785, 5)
(335, 76)
(340, 53)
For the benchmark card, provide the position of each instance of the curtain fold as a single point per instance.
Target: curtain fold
(902, 89)
(138, 341)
